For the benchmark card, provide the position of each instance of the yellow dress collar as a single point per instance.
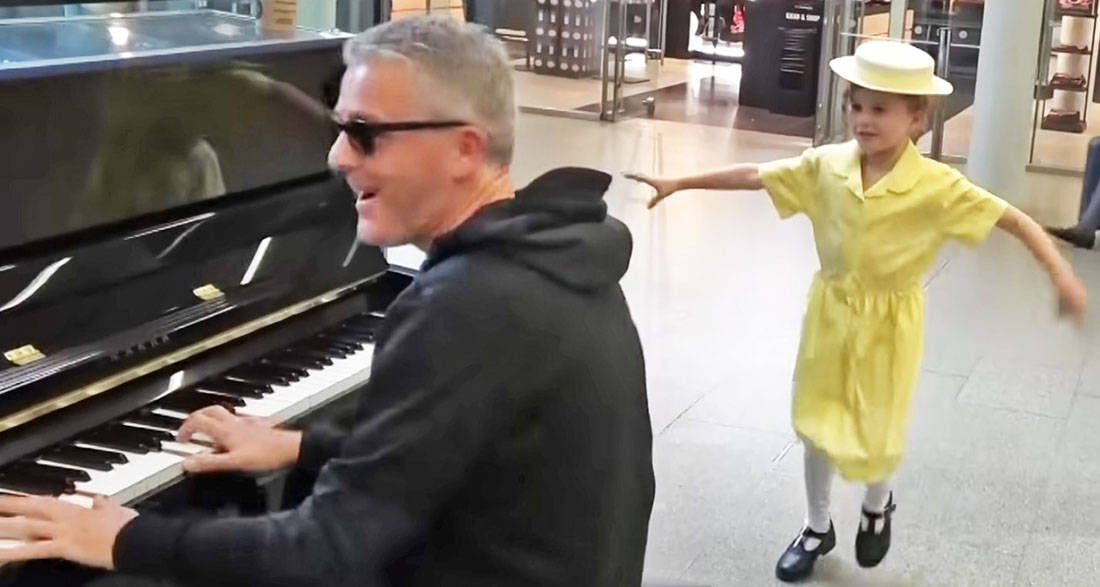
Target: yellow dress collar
(845, 162)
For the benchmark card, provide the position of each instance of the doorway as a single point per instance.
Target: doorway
(948, 30)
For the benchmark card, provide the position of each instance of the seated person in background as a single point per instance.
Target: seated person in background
(504, 436)
(1083, 234)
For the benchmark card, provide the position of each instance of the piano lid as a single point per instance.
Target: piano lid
(50, 45)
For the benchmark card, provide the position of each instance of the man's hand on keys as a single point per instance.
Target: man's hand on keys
(52, 528)
(240, 443)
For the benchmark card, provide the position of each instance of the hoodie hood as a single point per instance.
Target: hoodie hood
(558, 226)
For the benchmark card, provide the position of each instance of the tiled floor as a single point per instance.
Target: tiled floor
(1004, 459)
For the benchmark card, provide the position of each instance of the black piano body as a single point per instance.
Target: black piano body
(170, 237)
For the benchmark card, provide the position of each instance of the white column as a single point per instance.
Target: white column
(1004, 99)
(899, 10)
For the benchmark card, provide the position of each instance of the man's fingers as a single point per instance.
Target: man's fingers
(30, 507)
(266, 421)
(31, 551)
(210, 463)
(218, 413)
(23, 528)
(638, 177)
(100, 502)
(205, 421)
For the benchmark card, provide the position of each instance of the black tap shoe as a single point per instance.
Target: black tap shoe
(872, 547)
(797, 563)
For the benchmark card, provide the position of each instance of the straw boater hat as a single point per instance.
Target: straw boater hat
(889, 66)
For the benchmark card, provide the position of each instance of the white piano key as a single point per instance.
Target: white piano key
(185, 448)
(143, 473)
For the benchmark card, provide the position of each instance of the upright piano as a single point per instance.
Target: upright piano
(170, 239)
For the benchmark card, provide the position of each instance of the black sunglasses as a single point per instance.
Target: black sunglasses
(364, 135)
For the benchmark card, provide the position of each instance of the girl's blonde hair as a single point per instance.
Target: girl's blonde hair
(920, 105)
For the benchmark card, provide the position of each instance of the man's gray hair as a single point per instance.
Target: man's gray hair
(467, 66)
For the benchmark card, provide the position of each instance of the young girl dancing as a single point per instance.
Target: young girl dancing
(880, 212)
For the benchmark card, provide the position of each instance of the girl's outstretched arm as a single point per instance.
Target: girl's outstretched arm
(1072, 296)
(744, 176)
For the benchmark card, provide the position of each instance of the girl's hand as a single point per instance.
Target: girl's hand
(1072, 297)
(664, 187)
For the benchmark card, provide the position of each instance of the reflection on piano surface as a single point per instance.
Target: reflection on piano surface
(171, 240)
(224, 115)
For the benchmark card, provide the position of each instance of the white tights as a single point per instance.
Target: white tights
(819, 485)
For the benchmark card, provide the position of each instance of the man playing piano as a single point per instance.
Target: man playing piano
(504, 435)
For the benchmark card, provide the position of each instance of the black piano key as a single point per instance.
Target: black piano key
(263, 368)
(124, 438)
(315, 347)
(347, 341)
(143, 437)
(98, 460)
(217, 398)
(260, 375)
(237, 393)
(301, 364)
(321, 343)
(124, 444)
(356, 335)
(298, 370)
(34, 485)
(234, 388)
(321, 346)
(321, 358)
(157, 436)
(347, 337)
(48, 471)
(155, 420)
(336, 345)
(193, 401)
(365, 321)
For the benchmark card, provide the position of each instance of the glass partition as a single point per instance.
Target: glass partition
(567, 54)
(951, 32)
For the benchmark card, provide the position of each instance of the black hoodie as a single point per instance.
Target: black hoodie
(502, 440)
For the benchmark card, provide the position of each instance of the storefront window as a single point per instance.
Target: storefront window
(1066, 87)
(950, 31)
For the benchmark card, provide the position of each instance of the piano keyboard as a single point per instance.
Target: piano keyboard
(137, 454)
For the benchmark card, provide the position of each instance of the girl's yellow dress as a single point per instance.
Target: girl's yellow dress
(862, 338)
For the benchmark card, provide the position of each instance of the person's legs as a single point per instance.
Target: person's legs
(873, 538)
(819, 474)
(877, 497)
(1083, 235)
(817, 537)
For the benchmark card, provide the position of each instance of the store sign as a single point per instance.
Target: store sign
(801, 17)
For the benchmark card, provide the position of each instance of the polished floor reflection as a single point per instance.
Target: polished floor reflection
(1002, 468)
